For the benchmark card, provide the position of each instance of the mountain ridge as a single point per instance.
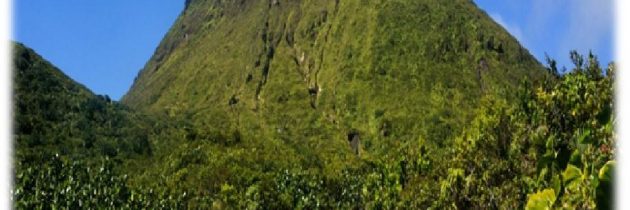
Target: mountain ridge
(183, 28)
(261, 65)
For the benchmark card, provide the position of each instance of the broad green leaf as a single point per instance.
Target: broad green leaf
(604, 194)
(547, 158)
(576, 158)
(607, 171)
(542, 200)
(571, 175)
(550, 142)
(585, 137)
(556, 183)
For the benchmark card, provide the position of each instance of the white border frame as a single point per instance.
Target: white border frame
(622, 105)
(6, 119)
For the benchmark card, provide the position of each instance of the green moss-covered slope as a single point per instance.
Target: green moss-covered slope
(310, 72)
(272, 86)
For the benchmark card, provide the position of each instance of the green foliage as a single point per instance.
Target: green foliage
(606, 185)
(555, 137)
(58, 183)
(543, 200)
(54, 115)
(445, 55)
(576, 118)
(298, 77)
(252, 104)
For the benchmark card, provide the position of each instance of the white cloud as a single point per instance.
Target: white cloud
(590, 23)
(564, 25)
(540, 16)
(515, 30)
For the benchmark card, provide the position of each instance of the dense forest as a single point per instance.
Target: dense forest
(308, 105)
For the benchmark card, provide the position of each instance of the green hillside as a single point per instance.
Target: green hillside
(315, 104)
(55, 115)
(69, 141)
(309, 73)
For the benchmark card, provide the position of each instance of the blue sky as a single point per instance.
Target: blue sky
(556, 27)
(100, 43)
(104, 43)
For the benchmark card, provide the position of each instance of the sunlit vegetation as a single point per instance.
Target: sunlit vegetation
(322, 104)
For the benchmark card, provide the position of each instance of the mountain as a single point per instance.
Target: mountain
(69, 141)
(311, 104)
(308, 72)
(55, 112)
(332, 86)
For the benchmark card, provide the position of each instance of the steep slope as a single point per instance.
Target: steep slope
(313, 72)
(61, 131)
(54, 114)
(340, 103)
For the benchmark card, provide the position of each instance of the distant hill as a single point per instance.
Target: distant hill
(66, 118)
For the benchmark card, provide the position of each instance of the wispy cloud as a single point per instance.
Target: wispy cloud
(589, 26)
(514, 29)
(542, 15)
(569, 25)
(555, 27)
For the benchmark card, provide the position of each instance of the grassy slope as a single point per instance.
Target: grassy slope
(411, 69)
(494, 163)
(242, 77)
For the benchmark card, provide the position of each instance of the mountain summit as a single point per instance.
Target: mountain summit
(278, 69)
(330, 90)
